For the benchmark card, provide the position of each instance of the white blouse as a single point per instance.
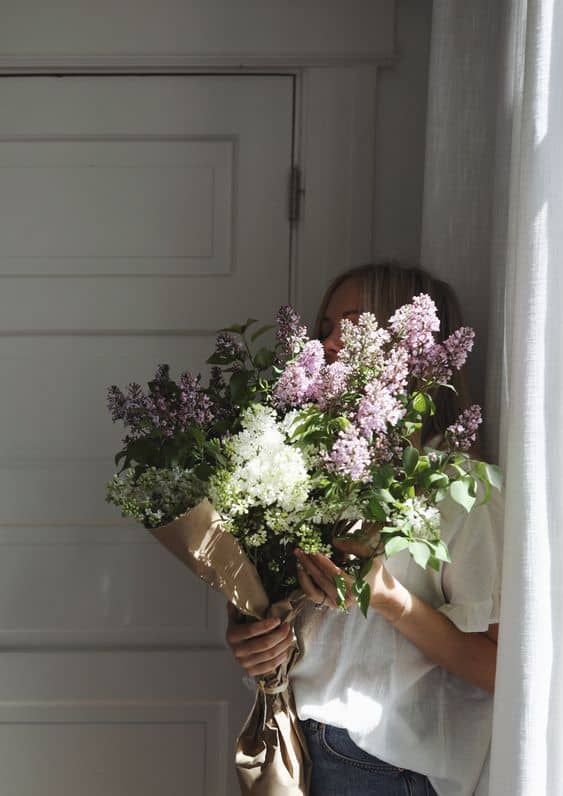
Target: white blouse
(363, 675)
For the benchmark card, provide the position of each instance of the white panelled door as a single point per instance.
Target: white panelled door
(138, 214)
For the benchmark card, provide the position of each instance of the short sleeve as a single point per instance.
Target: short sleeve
(471, 583)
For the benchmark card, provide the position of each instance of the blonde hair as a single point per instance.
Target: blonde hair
(384, 288)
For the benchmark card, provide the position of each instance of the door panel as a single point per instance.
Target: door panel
(137, 216)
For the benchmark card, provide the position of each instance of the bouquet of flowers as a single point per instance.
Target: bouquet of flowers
(283, 450)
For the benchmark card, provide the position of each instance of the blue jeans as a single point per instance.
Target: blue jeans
(340, 768)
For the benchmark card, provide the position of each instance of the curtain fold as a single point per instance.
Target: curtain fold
(493, 222)
(526, 374)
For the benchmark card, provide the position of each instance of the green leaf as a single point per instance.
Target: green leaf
(441, 552)
(441, 494)
(365, 567)
(438, 455)
(384, 495)
(198, 435)
(395, 545)
(481, 473)
(410, 427)
(238, 385)
(362, 593)
(387, 474)
(494, 474)
(420, 402)
(437, 480)
(203, 471)
(410, 459)
(119, 456)
(434, 563)
(420, 552)
(261, 330)
(236, 328)
(459, 470)
(264, 358)
(340, 584)
(249, 322)
(459, 491)
(221, 359)
(375, 511)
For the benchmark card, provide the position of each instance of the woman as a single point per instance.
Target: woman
(400, 702)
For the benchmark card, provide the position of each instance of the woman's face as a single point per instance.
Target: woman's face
(345, 302)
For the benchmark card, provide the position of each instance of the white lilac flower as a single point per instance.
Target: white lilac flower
(264, 470)
(417, 517)
(157, 496)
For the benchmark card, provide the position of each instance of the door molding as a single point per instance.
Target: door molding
(177, 64)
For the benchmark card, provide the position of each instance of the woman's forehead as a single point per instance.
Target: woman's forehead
(346, 299)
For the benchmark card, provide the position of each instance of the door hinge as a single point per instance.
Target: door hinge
(296, 191)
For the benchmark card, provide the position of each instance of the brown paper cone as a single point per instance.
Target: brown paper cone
(271, 752)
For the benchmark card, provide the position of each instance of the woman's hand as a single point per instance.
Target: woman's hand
(316, 573)
(259, 647)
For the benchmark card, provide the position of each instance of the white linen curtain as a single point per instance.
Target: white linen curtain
(518, 223)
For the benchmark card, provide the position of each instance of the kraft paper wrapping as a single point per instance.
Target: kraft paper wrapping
(271, 752)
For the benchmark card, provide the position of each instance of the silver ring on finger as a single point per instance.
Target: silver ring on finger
(320, 606)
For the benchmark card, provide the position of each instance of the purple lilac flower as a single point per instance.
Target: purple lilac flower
(293, 386)
(377, 408)
(130, 408)
(312, 358)
(350, 456)
(440, 361)
(195, 405)
(227, 346)
(386, 446)
(394, 375)
(299, 381)
(363, 343)
(463, 433)
(433, 364)
(332, 382)
(162, 373)
(166, 409)
(414, 325)
(458, 345)
(290, 334)
(216, 381)
(116, 402)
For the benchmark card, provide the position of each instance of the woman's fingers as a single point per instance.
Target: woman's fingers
(264, 653)
(322, 581)
(353, 547)
(267, 667)
(267, 660)
(260, 646)
(311, 590)
(241, 631)
(264, 643)
(321, 572)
